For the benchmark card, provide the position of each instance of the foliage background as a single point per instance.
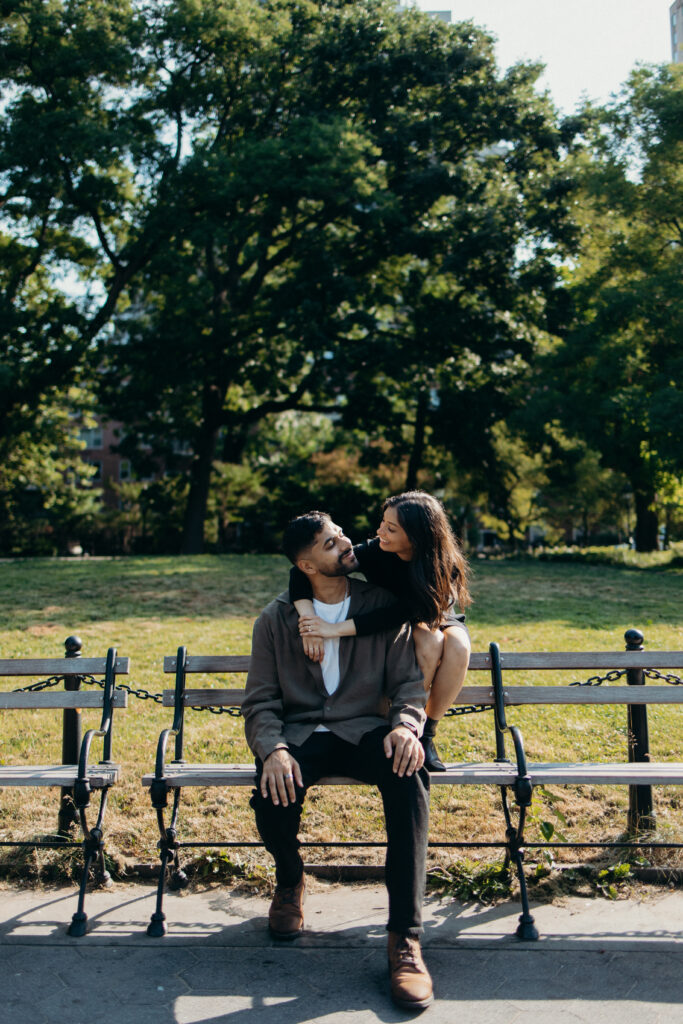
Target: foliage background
(308, 254)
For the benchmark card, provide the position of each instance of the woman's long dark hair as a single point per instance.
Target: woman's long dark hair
(438, 571)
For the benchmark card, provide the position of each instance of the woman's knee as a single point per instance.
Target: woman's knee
(429, 648)
(457, 647)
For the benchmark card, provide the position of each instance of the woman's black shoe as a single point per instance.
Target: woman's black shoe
(433, 763)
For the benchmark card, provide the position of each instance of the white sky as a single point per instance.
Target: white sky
(588, 46)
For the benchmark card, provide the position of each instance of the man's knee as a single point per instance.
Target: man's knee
(273, 820)
(407, 789)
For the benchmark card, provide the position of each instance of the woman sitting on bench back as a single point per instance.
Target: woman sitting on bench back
(416, 557)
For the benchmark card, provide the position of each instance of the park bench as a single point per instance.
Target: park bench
(516, 775)
(76, 778)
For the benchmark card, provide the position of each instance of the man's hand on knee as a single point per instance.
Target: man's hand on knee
(403, 745)
(280, 774)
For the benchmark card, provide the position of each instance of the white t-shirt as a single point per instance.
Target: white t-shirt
(330, 663)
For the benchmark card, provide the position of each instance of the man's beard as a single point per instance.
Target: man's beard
(343, 568)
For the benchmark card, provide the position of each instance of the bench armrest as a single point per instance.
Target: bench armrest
(158, 790)
(82, 784)
(523, 786)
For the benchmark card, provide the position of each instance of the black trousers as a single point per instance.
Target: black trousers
(406, 814)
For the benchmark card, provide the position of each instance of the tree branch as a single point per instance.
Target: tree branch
(22, 275)
(92, 212)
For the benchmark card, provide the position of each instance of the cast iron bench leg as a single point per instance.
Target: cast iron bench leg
(526, 929)
(93, 849)
(168, 849)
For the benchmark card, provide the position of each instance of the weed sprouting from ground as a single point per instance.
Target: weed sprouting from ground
(470, 881)
(219, 866)
(42, 866)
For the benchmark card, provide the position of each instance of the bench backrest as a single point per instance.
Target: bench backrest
(239, 663)
(70, 669)
(474, 695)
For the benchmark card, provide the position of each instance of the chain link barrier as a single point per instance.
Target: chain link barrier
(89, 680)
(236, 712)
(610, 677)
(652, 673)
(468, 709)
(42, 685)
(141, 694)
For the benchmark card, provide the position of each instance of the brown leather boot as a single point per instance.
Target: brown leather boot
(286, 914)
(411, 985)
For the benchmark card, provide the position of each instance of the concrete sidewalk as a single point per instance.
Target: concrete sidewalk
(597, 961)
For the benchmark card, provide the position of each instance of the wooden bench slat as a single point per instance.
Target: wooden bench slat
(206, 775)
(224, 775)
(60, 666)
(204, 698)
(510, 660)
(210, 663)
(244, 775)
(480, 774)
(595, 774)
(481, 695)
(593, 694)
(218, 697)
(588, 773)
(56, 775)
(549, 660)
(61, 699)
(240, 663)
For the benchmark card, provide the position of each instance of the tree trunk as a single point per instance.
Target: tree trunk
(200, 471)
(415, 461)
(234, 442)
(459, 524)
(200, 480)
(646, 521)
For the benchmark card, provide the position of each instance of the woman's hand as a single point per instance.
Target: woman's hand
(314, 648)
(314, 626)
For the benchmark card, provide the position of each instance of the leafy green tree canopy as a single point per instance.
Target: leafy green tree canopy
(615, 378)
(228, 209)
(357, 185)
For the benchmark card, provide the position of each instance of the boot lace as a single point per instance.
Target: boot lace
(407, 953)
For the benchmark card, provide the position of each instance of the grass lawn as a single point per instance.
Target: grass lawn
(146, 607)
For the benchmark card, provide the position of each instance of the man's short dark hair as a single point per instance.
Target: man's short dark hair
(301, 533)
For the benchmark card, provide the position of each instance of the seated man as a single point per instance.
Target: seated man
(358, 714)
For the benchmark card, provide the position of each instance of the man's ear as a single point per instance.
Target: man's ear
(306, 566)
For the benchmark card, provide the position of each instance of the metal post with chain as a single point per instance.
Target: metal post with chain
(641, 816)
(71, 743)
